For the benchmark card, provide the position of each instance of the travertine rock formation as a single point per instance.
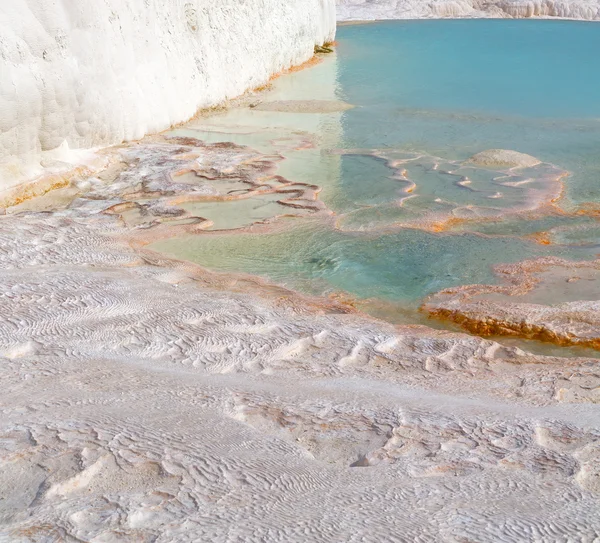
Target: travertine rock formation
(523, 308)
(145, 399)
(503, 158)
(420, 9)
(79, 74)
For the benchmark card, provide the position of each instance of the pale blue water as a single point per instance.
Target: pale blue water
(434, 93)
(504, 67)
(455, 87)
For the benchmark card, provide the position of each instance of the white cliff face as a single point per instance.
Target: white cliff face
(80, 74)
(419, 9)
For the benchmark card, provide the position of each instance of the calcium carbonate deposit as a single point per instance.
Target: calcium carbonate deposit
(83, 74)
(146, 398)
(366, 10)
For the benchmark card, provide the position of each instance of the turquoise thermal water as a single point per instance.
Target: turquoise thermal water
(428, 95)
(455, 87)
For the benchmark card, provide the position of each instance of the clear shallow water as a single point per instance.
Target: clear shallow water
(453, 87)
(399, 267)
(237, 213)
(498, 67)
(428, 95)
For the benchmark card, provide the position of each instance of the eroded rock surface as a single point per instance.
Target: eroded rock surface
(503, 158)
(522, 308)
(149, 399)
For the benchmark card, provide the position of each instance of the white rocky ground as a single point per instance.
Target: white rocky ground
(149, 400)
(366, 10)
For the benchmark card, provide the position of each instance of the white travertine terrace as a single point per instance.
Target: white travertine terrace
(142, 402)
(79, 74)
(521, 307)
(146, 399)
(366, 10)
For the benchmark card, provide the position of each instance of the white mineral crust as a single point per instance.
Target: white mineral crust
(145, 399)
(78, 74)
(367, 10)
(142, 403)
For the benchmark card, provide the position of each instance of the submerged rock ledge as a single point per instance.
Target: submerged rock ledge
(503, 158)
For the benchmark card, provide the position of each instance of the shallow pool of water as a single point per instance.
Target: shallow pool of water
(410, 216)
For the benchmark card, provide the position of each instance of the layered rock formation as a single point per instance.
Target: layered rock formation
(418, 9)
(147, 399)
(84, 74)
(522, 307)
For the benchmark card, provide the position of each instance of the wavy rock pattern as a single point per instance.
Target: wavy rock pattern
(148, 399)
(149, 184)
(436, 194)
(140, 404)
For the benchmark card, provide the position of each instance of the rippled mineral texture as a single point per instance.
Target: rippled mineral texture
(146, 399)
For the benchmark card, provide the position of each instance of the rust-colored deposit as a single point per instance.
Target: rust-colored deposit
(568, 315)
